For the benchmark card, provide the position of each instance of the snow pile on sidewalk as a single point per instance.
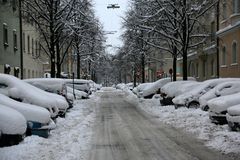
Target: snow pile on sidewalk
(69, 141)
(196, 122)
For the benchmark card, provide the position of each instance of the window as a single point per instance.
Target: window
(204, 68)
(15, 40)
(213, 31)
(28, 44)
(197, 69)
(224, 9)
(224, 56)
(5, 35)
(32, 47)
(236, 6)
(36, 48)
(212, 67)
(234, 52)
(23, 42)
(14, 5)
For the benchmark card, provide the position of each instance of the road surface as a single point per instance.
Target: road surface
(124, 132)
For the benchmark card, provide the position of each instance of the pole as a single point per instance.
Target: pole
(218, 74)
(73, 86)
(21, 38)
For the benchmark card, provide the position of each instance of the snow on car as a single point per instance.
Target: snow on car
(222, 89)
(154, 87)
(139, 89)
(218, 107)
(56, 86)
(233, 117)
(79, 84)
(24, 92)
(190, 99)
(173, 89)
(38, 118)
(78, 94)
(12, 126)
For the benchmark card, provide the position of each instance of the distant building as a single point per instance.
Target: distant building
(9, 41)
(229, 35)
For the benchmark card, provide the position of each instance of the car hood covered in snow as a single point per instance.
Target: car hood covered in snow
(29, 111)
(11, 121)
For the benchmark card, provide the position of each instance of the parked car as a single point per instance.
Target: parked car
(190, 99)
(173, 89)
(139, 89)
(56, 86)
(24, 92)
(233, 117)
(222, 89)
(78, 94)
(79, 84)
(13, 126)
(218, 107)
(38, 118)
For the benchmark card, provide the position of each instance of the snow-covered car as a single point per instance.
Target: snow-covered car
(24, 92)
(78, 94)
(13, 126)
(173, 89)
(190, 99)
(222, 89)
(38, 118)
(56, 86)
(139, 89)
(233, 117)
(155, 87)
(79, 84)
(218, 107)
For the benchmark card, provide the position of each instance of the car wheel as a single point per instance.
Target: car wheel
(193, 104)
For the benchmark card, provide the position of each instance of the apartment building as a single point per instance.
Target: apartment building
(229, 38)
(9, 41)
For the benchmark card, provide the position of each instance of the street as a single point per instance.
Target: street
(122, 131)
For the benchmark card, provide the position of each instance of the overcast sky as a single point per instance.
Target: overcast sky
(111, 19)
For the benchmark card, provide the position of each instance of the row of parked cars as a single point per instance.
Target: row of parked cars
(31, 106)
(220, 97)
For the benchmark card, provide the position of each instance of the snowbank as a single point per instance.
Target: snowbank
(197, 122)
(69, 141)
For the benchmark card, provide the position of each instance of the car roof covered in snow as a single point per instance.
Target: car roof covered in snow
(19, 89)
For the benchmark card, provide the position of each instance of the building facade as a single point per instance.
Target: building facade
(229, 38)
(9, 41)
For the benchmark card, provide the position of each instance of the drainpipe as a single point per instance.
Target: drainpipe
(218, 66)
(20, 31)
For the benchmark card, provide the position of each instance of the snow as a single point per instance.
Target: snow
(222, 89)
(204, 87)
(234, 110)
(196, 122)
(69, 141)
(173, 89)
(11, 122)
(78, 94)
(152, 88)
(27, 93)
(30, 112)
(220, 104)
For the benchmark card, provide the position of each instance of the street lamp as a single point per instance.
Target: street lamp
(113, 6)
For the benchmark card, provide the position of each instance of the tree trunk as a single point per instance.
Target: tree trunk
(58, 60)
(78, 63)
(174, 68)
(184, 47)
(52, 44)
